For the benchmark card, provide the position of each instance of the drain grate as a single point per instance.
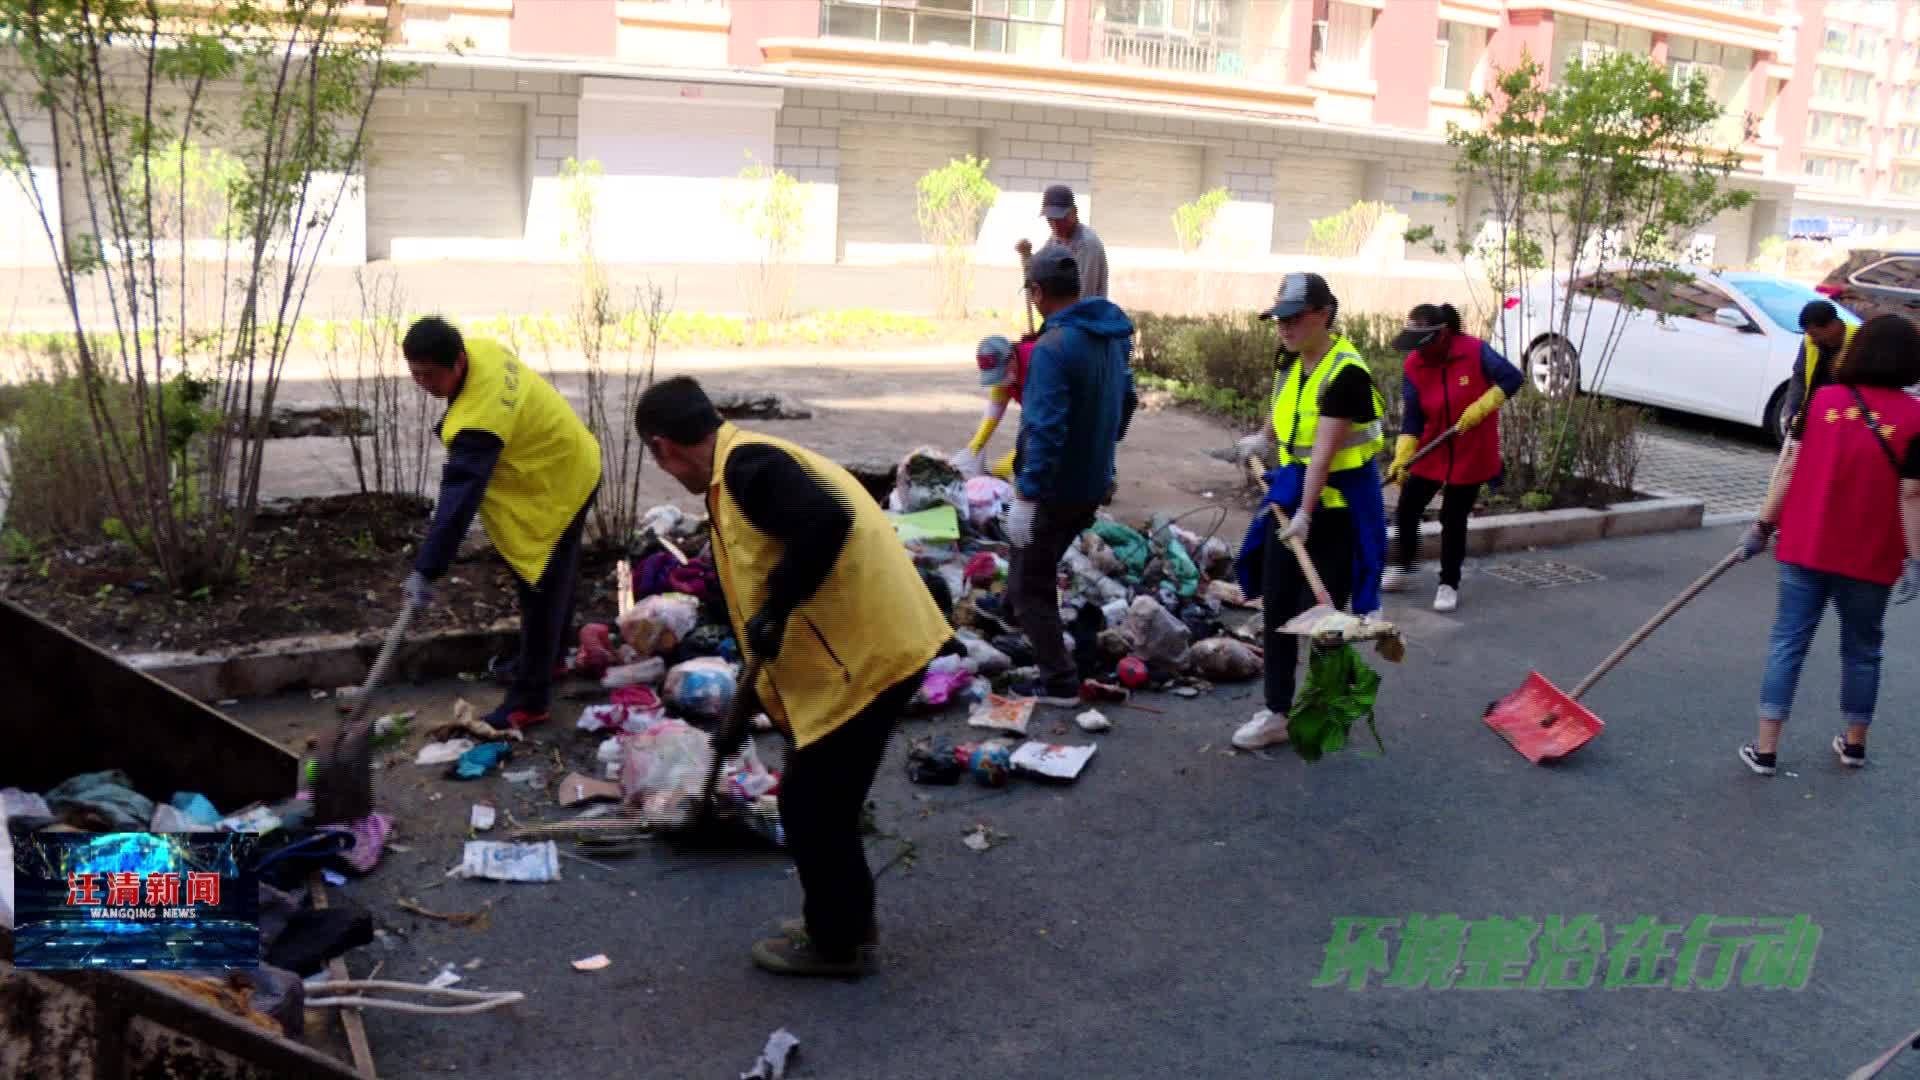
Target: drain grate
(1543, 575)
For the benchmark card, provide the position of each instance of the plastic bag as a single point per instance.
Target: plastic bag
(656, 624)
(1155, 634)
(663, 766)
(646, 671)
(1225, 659)
(927, 479)
(946, 678)
(703, 687)
(1128, 546)
(987, 498)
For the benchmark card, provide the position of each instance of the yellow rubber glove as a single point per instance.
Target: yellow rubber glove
(1403, 450)
(1487, 404)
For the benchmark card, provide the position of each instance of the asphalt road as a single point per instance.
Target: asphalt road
(1169, 914)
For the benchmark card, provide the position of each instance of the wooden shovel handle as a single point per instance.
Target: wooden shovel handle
(1434, 445)
(1026, 263)
(1320, 594)
(1653, 624)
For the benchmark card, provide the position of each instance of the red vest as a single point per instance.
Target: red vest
(1022, 356)
(1446, 389)
(1842, 510)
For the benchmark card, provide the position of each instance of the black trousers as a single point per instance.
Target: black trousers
(546, 614)
(1330, 544)
(822, 793)
(1456, 506)
(1033, 583)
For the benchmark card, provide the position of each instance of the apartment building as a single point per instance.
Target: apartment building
(1297, 107)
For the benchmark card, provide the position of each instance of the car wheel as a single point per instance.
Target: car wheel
(1776, 419)
(1553, 367)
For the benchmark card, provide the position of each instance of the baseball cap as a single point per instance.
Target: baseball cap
(1817, 313)
(995, 356)
(1057, 201)
(1054, 268)
(1299, 292)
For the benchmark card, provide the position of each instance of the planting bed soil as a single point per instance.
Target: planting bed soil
(316, 566)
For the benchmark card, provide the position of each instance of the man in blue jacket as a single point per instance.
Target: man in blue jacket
(1078, 401)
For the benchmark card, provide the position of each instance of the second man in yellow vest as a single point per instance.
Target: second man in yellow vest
(1827, 338)
(821, 592)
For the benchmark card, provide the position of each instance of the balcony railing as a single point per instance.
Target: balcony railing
(1200, 54)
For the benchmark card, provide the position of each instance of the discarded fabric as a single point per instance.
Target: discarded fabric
(195, 808)
(497, 861)
(481, 760)
(102, 802)
(1225, 659)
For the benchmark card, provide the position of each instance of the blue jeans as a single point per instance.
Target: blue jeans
(1803, 600)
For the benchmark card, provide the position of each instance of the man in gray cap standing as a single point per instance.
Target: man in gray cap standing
(1076, 405)
(1074, 238)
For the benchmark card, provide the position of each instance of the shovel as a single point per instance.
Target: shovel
(343, 781)
(1543, 723)
(1026, 264)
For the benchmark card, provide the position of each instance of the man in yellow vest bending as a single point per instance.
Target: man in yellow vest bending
(822, 594)
(519, 457)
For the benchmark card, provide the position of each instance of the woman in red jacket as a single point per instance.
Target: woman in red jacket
(1450, 380)
(1848, 515)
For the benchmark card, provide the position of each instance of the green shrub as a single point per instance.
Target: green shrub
(1235, 354)
(56, 491)
(1343, 235)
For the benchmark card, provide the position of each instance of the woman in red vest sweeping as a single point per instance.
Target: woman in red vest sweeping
(1450, 380)
(1848, 516)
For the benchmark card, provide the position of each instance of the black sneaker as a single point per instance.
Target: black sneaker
(1853, 757)
(1063, 690)
(1757, 761)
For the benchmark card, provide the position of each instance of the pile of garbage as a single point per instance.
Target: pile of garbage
(1143, 607)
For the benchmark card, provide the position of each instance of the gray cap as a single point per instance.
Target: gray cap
(1054, 268)
(1299, 292)
(1057, 202)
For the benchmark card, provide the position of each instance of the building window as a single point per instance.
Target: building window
(1343, 39)
(1909, 139)
(1906, 182)
(1842, 172)
(1021, 27)
(1833, 84)
(1457, 53)
(1588, 42)
(1835, 129)
(1190, 35)
(1836, 40)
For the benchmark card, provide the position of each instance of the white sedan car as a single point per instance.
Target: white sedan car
(1720, 345)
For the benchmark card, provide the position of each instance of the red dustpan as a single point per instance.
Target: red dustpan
(1545, 724)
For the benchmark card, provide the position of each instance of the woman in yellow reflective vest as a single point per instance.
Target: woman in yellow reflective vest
(1325, 435)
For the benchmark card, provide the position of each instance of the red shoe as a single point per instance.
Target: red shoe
(501, 719)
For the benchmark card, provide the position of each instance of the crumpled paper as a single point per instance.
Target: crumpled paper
(772, 1062)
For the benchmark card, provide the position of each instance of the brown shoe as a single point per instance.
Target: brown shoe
(785, 956)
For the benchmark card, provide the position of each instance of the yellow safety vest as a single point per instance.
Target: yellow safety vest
(1811, 355)
(871, 624)
(549, 462)
(1296, 416)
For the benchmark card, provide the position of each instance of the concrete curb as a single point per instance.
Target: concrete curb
(1554, 528)
(326, 662)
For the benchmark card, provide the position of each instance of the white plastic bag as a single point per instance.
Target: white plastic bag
(645, 673)
(1155, 634)
(657, 624)
(987, 498)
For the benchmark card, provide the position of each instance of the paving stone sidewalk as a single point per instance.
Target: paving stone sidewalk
(1730, 474)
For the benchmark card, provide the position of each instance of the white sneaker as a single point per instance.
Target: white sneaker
(1265, 729)
(1397, 578)
(1446, 599)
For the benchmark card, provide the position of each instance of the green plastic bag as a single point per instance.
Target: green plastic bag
(1128, 546)
(1340, 689)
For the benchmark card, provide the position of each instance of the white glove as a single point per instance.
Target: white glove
(1297, 528)
(1909, 584)
(1253, 446)
(1020, 515)
(971, 463)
